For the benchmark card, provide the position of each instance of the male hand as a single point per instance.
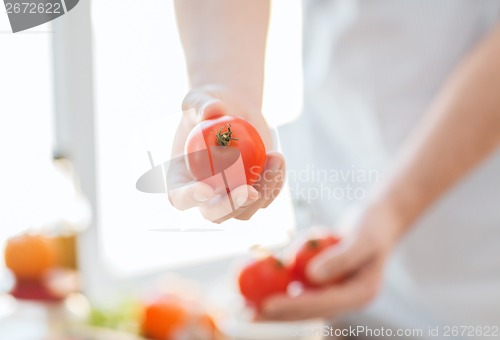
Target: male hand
(360, 258)
(185, 193)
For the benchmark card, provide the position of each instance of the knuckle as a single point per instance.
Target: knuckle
(189, 101)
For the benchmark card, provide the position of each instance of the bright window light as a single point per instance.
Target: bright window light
(25, 123)
(25, 129)
(140, 82)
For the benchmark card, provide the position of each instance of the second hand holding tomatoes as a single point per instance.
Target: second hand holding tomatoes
(229, 146)
(266, 277)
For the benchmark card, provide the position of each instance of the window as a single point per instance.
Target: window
(27, 179)
(139, 85)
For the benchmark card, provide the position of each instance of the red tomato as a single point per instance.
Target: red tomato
(306, 253)
(225, 144)
(263, 278)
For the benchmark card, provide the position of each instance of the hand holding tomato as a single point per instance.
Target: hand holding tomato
(360, 258)
(185, 192)
(264, 278)
(225, 152)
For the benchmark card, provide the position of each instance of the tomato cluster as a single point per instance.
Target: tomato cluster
(262, 278)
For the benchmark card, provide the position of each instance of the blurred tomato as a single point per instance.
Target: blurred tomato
(29, 256)
(263, 278)
(163, 319)
(307, 251)
(173, 318)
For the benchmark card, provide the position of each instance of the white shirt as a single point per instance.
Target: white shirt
(371, 69)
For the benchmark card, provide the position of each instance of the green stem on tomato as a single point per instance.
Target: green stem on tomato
(224, 138)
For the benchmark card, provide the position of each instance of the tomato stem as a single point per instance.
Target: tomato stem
(313, 243)
(224, 138)
(279, 263)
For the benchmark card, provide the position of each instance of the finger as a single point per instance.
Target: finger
(191, 195)
(225, 206)
(244, 196)
(284, 308)
(248, 204)
(326, 302)
(339, 261)
(183, 193)
(205, 105)
(188, 120)
(177, 173)
(269, 185)
(273, 182)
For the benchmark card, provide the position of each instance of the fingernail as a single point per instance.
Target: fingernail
(200, 197)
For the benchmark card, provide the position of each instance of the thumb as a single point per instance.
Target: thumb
(341, 260)
(205, 105)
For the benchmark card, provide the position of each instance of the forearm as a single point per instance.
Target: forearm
(460, 129)
(224, 43)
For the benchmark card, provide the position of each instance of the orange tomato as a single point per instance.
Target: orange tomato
(170, 317)
(163, 318)
(29, 256)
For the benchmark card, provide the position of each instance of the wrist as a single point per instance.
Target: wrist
(235, 103)
(382, 220)
(239, 100)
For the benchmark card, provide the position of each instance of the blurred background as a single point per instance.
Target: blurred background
(83, 100)
(89, 103)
